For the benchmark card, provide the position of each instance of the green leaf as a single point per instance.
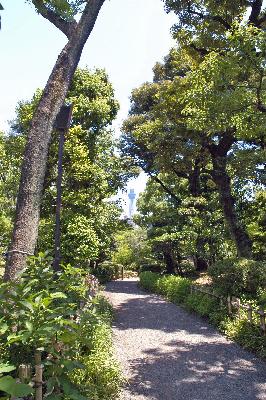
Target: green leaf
(71, 365)
(13, 338)
(3, 328)
(29, 326)
(6, 368)
(9, 385)
(26, 304)
(58, 295)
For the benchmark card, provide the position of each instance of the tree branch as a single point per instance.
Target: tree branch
(203, 52)
(255, 12)
(165, 188)
(216, 18)
(224, 145)
(66, 27)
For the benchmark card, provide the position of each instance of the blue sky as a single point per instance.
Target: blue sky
(128, 38)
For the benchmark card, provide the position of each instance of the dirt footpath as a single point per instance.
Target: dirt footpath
(169, 354)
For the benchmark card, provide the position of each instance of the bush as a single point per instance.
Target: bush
(156, 268)
(175, 288)
(262, 298)
(101, 376)
(236, 277)
(246, 334)
(106, 271)
(202, 304)
(148, 280)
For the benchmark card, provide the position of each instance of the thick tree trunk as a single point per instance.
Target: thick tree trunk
(35, 157)
(223, 183)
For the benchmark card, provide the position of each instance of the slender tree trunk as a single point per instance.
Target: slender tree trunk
(200, 262)
(223, 183)
(169, 259)
(35, 157)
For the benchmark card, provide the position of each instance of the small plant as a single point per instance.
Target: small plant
(175, 288)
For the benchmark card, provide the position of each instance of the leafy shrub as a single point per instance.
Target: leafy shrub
(157, 268)
(246, 334)
(201, 303)
(262, 298)
(175, 288)
(106, 271)
(44, 317)
(148, 280)
(101, 377)
(187, 268)
(237, 276)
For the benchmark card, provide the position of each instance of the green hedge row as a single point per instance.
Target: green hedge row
(177, 290)
(101, 376)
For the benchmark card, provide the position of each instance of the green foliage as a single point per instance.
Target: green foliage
(101, 377)
(174, 288)
(60, 318)
(158, 268)
(93, 172)
(148, 280)
(202, 304)
(66, 9)
(210, 86)
(106, 271)
(238, 276)
(9, 385)
(132, 248)
(246, 334)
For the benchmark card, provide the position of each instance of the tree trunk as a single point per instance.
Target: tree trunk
(169, 259)
(223, 183)
(35, 156)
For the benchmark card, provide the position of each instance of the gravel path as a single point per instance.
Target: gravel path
(169, 354)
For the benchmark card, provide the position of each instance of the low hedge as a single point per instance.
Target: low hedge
(101, 376)
(174, 288)
(177, 290)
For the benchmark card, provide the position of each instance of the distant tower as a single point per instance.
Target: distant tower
(131, 197)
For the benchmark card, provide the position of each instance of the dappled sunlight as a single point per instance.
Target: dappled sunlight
(171, 354)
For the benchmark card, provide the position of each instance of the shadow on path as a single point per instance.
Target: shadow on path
(170, 354)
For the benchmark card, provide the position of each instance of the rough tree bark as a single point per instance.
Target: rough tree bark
(35, 157)
(223, 182)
